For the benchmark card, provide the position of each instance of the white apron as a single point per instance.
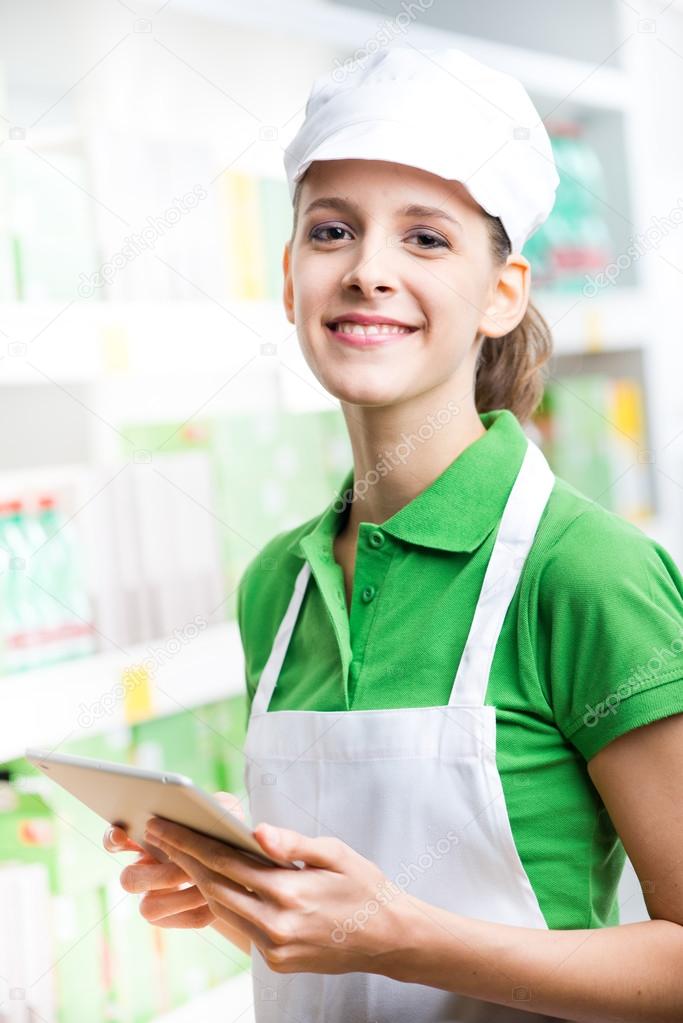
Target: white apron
(416, 790)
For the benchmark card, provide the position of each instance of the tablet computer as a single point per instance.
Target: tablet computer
(129, 796)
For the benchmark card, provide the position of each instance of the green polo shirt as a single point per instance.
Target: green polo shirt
(591, 645)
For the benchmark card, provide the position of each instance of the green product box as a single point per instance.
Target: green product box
(250, 498)
(28, 830)
(578, 451)
(272, 474)
(181, 743)
(225, 721)
(167, 437)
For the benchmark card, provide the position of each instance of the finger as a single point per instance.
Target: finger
(284, 844)
(252, 931)
(193, 919)
(188, 919)
(231, 803)
(216, 856)
(145, 877)
(116, 840)
(218, 889)
(156, 906)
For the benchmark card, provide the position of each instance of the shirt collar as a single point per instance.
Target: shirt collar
(457, 511)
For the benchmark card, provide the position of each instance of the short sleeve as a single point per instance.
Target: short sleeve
(610, 630)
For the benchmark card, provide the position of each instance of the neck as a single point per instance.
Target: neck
(398, 451)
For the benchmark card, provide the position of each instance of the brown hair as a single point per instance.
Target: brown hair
(509, 368)
(508, 372)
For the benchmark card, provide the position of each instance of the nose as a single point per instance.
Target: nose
(370, 271)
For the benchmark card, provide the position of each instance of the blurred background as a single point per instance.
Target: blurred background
(158, 423)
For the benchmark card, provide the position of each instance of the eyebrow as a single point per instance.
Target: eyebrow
(412, 210)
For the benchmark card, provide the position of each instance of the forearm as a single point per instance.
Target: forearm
(233, 934)
(632, 973)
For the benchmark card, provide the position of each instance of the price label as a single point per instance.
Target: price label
(137, 698)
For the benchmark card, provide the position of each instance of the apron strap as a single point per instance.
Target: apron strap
(270, 674)
(522, 514)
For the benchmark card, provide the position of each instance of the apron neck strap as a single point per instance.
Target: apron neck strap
(522, 514)
(271, 671)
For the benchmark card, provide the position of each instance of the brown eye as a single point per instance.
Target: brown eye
(315, 233)
(440, 242)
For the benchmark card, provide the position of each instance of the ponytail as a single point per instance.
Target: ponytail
(508, 372)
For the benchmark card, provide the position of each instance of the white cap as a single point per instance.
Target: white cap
(441, 111)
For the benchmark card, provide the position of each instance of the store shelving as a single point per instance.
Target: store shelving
(346, 26)
(91, 695)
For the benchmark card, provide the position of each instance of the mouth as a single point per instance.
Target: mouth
(362, 335)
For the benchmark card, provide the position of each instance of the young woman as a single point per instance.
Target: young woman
(465, 678)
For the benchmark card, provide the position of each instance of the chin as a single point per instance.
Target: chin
(364, 392)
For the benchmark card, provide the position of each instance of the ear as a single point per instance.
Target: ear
(288, 289)
(509, 297)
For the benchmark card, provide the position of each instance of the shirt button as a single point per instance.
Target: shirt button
(368, 594)
(376, 539)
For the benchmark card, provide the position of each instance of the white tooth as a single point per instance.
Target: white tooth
(371, 329)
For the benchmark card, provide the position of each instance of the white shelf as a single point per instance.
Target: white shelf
(231, 1001)
(119, 343)
(84, 697)
(347, 28)
(615, 318)
(108, 341)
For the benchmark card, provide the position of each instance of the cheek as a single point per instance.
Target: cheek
(317, 283)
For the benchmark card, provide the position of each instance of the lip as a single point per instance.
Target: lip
(356, 341)
(367, 319)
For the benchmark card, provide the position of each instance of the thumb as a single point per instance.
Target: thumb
(291, 845)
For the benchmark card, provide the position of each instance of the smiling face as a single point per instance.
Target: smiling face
(388, 240)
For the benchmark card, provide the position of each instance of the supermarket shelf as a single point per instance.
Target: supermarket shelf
(84, 697)
(98, 341)
(615, 319)
(343, 27)
(232, 1002)
(133, 340)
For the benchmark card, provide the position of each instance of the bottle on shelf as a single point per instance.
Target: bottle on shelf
(44, 607)
(20, 605)
(68, 621)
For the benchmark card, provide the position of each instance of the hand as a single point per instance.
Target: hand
(170, 898)
(338, 914)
